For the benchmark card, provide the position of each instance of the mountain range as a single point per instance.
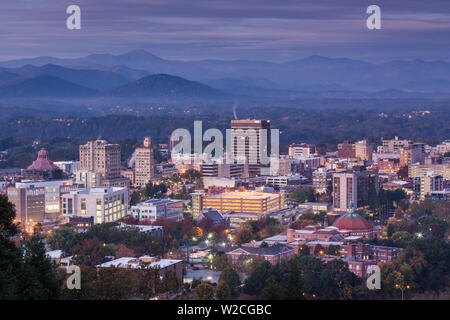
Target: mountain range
(140, 74)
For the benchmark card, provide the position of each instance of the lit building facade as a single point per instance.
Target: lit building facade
(104, 204)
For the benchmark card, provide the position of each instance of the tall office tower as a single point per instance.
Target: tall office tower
(144, 166)
(244, 144)
(427, 183)
(353, 186)
(364, 150)
(101, 156)
(346, 150)
(394, 145)
(411, 154)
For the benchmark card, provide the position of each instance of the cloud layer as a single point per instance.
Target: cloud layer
(228, 29)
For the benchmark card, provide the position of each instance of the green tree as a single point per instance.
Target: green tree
(271, 290)
(223, 291)
(39, 280)
(11, 263)
(63, 239)
(231, 277)
(204, 291)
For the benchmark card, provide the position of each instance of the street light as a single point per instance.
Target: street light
(402, 288)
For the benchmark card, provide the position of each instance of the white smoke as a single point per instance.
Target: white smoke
(234, 110)
(132, 160)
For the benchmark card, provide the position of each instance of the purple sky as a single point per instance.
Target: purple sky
(276, 30)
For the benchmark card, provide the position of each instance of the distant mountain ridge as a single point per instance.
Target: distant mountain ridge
(45, 86)
(164, 86)
(115, 74)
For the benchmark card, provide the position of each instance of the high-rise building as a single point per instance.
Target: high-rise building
(100, 165)
(247, 140)
(224, 170)
(101, 156)
(364, 150)
(353, 186)
(411, 154)
(144, 166)
(424, 185)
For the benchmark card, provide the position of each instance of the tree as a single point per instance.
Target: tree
(220, 261)
(231, 277)
(38, 277)
(11, 263)
(244, 234)
(333, 250)
(89, 252)
(204, 291)
(303, 194)
(123, 251)
(255, 281)
(271, 290)
(223, 291)
(63, 239)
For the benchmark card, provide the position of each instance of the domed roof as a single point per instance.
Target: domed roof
(352, 221)
(43, 154)
(42, 162)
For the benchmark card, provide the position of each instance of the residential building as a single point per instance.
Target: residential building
(322, 178)
(353, 186)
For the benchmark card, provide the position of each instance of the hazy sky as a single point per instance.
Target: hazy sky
(276, 30)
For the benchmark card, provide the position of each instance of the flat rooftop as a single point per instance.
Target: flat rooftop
(243, 194)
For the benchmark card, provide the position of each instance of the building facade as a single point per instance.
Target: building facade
(144, 166)
(104, 204)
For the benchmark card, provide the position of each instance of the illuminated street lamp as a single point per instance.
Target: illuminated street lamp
(402, 288)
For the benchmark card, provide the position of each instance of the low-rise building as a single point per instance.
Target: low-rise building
(163, 265)
(272, 253)
(153, 209)
(104, 204)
